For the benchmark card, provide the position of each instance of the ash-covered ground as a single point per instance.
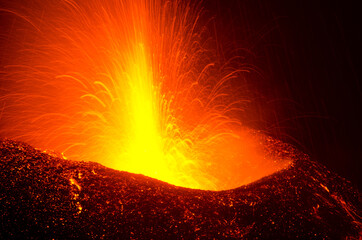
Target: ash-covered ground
(46, 197)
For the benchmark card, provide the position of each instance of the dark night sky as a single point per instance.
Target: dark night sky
(309, 92)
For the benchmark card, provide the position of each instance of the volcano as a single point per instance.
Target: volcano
(46, 196)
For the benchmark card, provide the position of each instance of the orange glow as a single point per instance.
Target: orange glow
(132, 85)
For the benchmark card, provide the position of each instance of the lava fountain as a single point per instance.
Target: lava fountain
(132, 84)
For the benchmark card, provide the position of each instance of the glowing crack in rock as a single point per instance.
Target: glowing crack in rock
(133, 85)
(75, 194)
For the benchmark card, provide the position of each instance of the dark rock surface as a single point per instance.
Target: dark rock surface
(46, 197)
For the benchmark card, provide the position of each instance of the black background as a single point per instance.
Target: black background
(306, 56)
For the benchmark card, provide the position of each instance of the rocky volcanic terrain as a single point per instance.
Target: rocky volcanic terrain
(46, 197)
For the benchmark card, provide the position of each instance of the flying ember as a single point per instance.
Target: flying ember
(132, 84)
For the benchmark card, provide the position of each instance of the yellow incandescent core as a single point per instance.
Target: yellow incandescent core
(143, 152)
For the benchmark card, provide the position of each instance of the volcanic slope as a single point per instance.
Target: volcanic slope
(44, 196)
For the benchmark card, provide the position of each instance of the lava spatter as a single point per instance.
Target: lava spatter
(135, 85)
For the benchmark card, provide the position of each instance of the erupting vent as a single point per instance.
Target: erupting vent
(132, 84)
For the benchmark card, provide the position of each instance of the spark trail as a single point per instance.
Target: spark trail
(133, 85)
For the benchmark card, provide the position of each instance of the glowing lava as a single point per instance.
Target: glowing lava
(133, 85)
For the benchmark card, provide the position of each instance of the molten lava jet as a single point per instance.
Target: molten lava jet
(135, 85)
